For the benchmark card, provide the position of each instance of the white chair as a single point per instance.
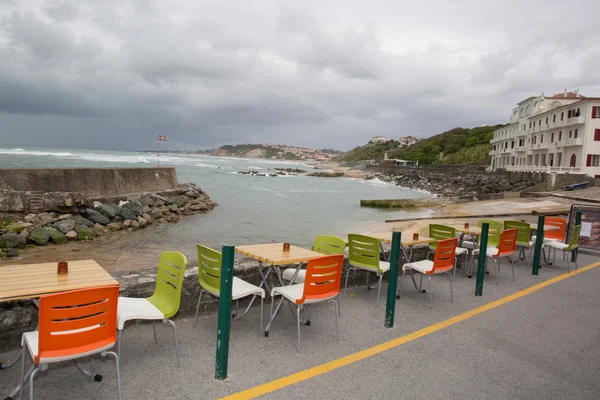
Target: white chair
(506, 248)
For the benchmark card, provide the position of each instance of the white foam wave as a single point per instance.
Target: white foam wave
(207, 165)
(24, 152)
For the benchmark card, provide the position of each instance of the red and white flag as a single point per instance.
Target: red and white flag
(162, 138)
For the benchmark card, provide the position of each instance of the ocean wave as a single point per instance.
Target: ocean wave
(207, 165)
(24, 152)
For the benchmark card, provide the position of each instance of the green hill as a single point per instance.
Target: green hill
(458, 145)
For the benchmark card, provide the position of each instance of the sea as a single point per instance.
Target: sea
(251, 209)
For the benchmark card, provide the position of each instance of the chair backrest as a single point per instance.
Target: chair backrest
(169, 281)
(364, 251)
(323, 278)
(440, 232)
(524, 233)
(558, 234)
(209, 268)
(494, 232)
(444, 255)
(508, 243)
(326, 244)
(574, 239)
(77, 322)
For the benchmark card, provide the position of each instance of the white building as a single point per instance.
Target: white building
(379, 139)
(407, 141)
(560, 133)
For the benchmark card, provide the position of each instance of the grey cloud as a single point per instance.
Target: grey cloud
(112, 74)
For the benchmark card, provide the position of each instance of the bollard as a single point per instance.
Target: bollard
(390, 308)
(538, 245)
(224, 313)
(485, 228)
(577, 222)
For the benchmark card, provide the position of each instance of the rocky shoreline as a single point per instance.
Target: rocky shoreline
(130, 212)
(294, 172)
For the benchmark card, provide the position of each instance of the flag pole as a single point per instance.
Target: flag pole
(158, 154)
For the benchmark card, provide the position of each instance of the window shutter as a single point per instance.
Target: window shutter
(594, 111)
(569, 114)
(589, 160)
(597, 135)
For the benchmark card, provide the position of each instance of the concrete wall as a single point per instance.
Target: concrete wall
(89, 182)
(424, 202)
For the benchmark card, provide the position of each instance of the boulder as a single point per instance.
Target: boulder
(168, 201)
(164, 210)
(64, 226)
(24, 233)
(192, 194)
(96, 217)
(131, 209)
(56, 236)
(12, 240)
(98, 230)
(115, 226)
(17, 227)
(117, 209)
(105, 210)
(30, 218)
(152, 200)
(71, 235)
(135, 225)
(126, 223)
(79, 220)
(180, 201)
(156, 214)
(44, 218)
(85, 232)
(64, 216)
(11, 253)
(39, 237)
(142, 221)
(146, 209)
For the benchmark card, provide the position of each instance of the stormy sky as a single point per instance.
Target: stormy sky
(113, 74)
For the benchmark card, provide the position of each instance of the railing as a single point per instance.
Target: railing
(538, 168)
(574, 142)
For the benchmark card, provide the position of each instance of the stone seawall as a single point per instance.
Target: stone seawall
(435, 201)
(88, 182)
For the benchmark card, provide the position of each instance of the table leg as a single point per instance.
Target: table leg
(272, 317)
(407, 258)
(263, 283)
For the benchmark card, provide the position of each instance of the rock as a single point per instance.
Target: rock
(115, 226)
(327, 174)
(98, 230)
(131, 209)
(96, 217)
(156, 214)
(105, 210)
(17, 227)
(12, 240)
(39, 237)
(126, 223)
(79, 220)
(44, 218)
(168, 201)
(64, 226)
(194, 194)
(30, 218)
(24, 233)
(172, 208)
(117, 209)
(146, 210)
(71, 235)
(152, 200)
(11, 253)
(180, 201)
(64, 217)
(161, 220)
(164, 210)
(56, 236)
(142, 221)
(169, 218)
(85, 232)
(135, 225)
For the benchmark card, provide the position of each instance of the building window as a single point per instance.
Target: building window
(595, 112)
(569, 114)
(593, 160)
(542, 138)
(573, 161)
(578, 113)
(540, 122)
(552, 138)
(570, 134)
(512, 144)
(554, 118)
(529, 124)
(562, 116)
(546, 120)
(559, 136)
(597, 135)
(576, 133)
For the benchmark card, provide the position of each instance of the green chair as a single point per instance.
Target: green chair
(209, 278)
(443, 232)
(493, 239)
(324, 244)
(163, 304)
(363, 254)
(567, 248)
(524, 241)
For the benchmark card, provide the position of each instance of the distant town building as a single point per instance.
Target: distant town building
(405, 141)
(559, 133)
(379, 139)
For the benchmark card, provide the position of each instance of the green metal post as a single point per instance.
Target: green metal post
(390, 308)
(224, 313)
(538, 245)
(483, 241)
(577, 222)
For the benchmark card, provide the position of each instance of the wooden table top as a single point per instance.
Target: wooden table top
(471, 230)
(546, 227)
(18, 282)
(406, 240)
(273, 253)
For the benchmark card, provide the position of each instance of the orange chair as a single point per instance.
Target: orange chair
(560, 229)
(443, 263)
(72, 325)
(322, 283)
(506, 248)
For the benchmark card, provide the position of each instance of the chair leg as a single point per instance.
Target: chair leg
(298, 308)
(380, 284)
(451, 293)
(308, 314)
(347, 276)
(198, 307)
(399, 287)
(22, 382)
(168, 321)
(497, 261)
(31, 378)
(92, 369)
(154, 331)
(429, 289)
(262, 301)
(337, 331)
(116, 356)
(565, 255)
(339, 305)
(271, 314)
(513, 270)
(119, 340)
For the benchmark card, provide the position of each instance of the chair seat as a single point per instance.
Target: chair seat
(384, 266)
(534, 238)
(491, 251)
(468, 245)
(288, 274)
(241, 288)
(556, 244)
(132, 308)
(294, 292)
(461, 250)
(31, 339)
(422, 266)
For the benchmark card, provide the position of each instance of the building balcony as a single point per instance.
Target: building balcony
(520, 149)
(546, 169)
(539, 146)
(573, 142)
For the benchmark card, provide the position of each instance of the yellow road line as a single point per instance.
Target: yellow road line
(371, 351)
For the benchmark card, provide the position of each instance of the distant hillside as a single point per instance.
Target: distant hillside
(458, 145)
(275, 151)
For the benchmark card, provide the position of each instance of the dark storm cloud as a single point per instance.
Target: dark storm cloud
(113, 74)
